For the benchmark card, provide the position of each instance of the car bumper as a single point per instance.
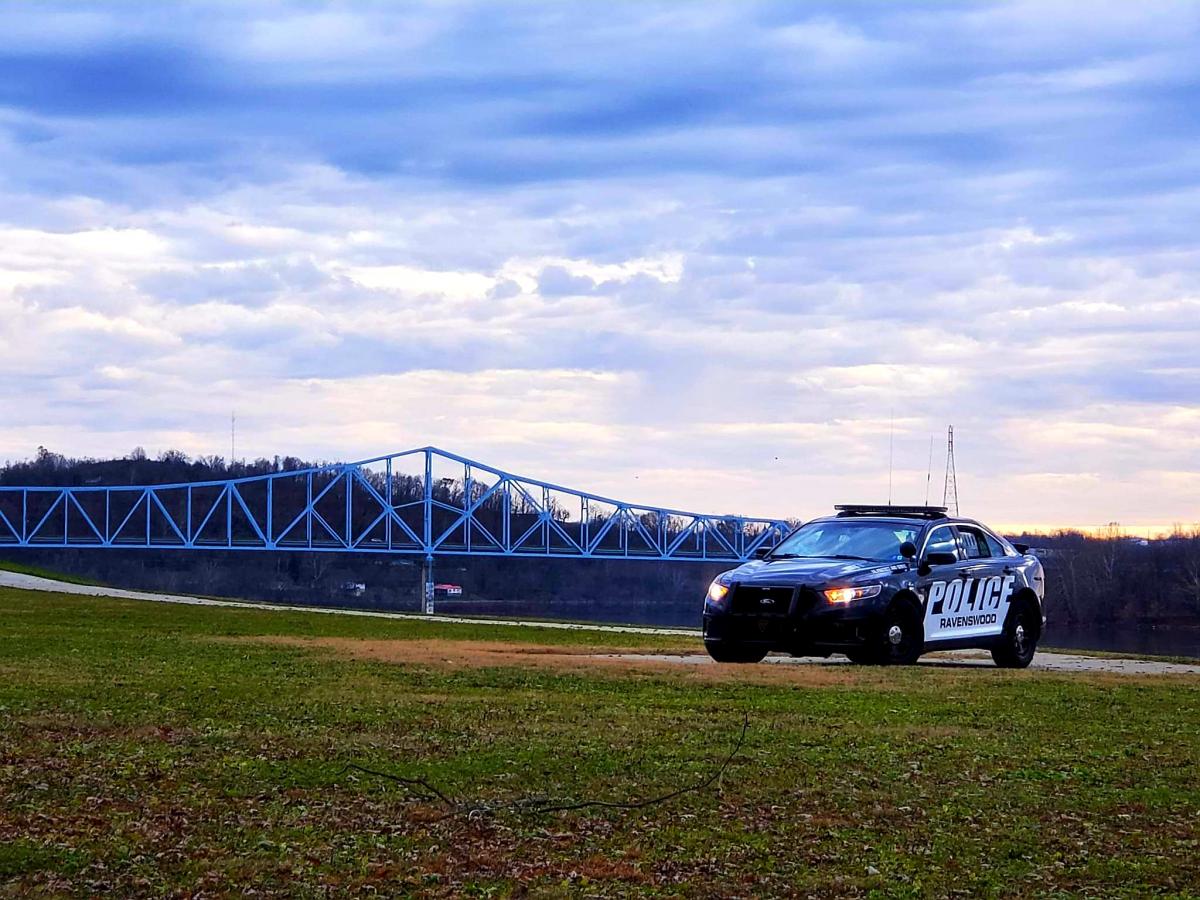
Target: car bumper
(822, 627)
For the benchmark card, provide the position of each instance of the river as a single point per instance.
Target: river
(1118, 637)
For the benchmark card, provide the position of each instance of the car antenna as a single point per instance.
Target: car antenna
(929, 470)
(891, 447)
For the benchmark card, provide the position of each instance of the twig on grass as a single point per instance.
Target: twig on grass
(544, 804)
(407, 782)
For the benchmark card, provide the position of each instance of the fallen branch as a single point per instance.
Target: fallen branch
(544, 804)
(433, 792)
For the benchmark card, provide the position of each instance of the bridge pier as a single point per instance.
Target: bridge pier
(427, 585)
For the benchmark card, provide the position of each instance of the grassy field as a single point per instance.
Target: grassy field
(150, 749)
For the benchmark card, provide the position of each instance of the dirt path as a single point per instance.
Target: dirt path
(695, 666)
(1049, 662)
(561, 658)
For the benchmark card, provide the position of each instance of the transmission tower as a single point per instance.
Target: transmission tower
(950, 491)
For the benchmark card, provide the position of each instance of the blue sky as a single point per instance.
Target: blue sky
(704, 255)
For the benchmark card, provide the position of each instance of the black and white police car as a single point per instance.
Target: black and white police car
(881, 584)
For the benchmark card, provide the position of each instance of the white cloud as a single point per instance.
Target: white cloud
(409, 280)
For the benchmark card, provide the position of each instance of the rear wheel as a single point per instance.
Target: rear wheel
(1018, 643)
(725, 652)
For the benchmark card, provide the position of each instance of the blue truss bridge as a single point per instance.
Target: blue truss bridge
(423, 502)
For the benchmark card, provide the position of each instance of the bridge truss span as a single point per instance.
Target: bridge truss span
(423, 502)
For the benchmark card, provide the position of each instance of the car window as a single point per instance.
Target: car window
(1000, 547)
(974, 544)
(941, 540)
(861, 538)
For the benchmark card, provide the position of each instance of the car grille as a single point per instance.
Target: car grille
(751, 599)
(806, 599)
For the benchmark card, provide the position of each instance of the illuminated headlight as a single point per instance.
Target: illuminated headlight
(850, 594)
(719, 589)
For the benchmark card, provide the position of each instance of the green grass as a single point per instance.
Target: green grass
(148, 749)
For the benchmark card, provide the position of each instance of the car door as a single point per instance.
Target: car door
(977, 609)
(1009, 562)
(1004, 579)
(940, 586)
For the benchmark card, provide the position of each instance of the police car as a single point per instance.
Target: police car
(881, 584)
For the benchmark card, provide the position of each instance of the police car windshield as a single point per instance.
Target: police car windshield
(847, 539)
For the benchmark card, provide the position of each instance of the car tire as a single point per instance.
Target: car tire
(903, 637)
(725, 652)
(1018, 642)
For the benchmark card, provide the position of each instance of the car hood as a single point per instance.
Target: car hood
(807, 571)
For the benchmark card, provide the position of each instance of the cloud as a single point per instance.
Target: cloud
(705, 255)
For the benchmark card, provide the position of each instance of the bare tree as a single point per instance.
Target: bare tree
(1189, 569)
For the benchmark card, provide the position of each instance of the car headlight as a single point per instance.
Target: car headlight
(850, 594)
(719, 589)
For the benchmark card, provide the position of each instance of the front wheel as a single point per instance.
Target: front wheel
(1018, 643)
(725, 652)
(903, 635)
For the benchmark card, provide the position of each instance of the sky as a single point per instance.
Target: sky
(730, 257)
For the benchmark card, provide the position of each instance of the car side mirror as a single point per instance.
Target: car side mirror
(936, 558)
(761, 552)
(908, 550)
(1021, 548)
